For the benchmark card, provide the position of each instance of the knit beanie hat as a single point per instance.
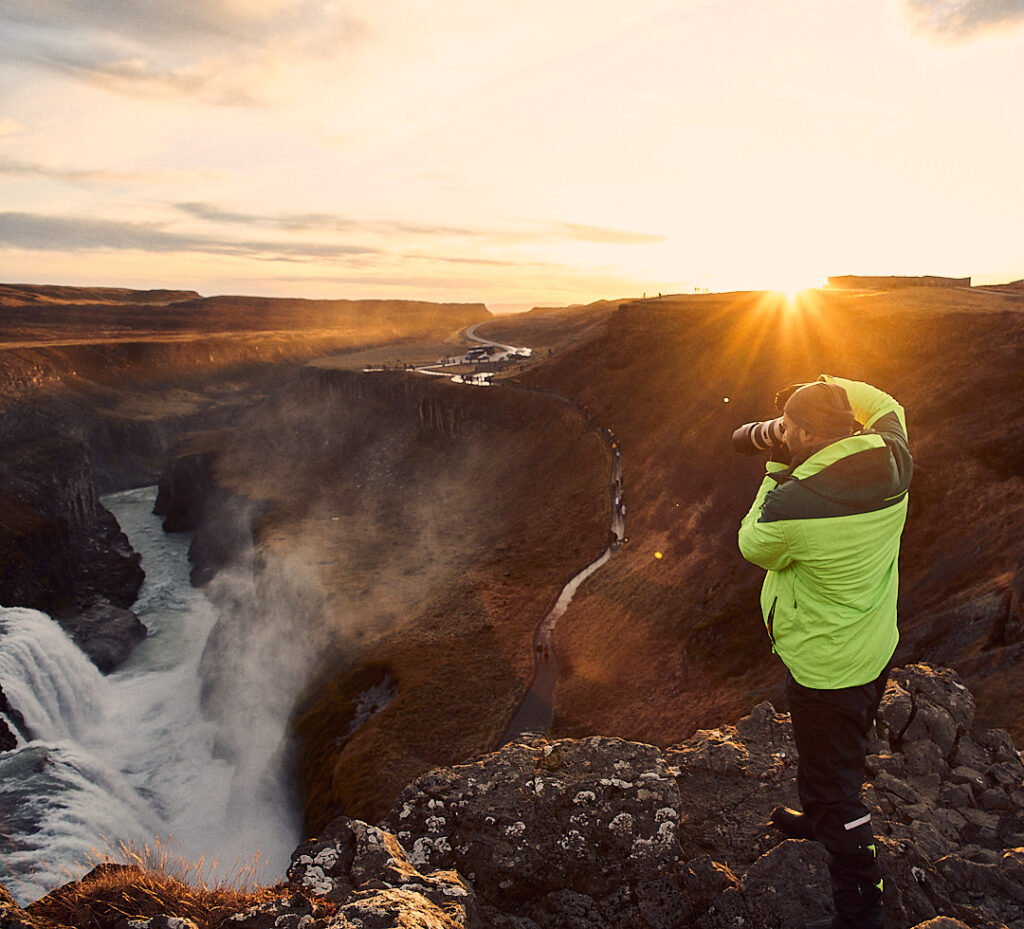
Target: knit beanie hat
(823, 409)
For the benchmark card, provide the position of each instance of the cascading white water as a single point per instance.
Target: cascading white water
(129, 758)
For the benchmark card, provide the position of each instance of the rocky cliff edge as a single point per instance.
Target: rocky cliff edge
(602, 833)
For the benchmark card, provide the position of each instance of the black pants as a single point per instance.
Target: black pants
(831, 729)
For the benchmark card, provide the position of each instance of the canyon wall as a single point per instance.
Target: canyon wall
(393, 533)
(62, 552)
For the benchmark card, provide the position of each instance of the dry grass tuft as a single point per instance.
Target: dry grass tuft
(150, 882)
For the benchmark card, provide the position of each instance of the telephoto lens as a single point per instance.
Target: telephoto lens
(753, 438)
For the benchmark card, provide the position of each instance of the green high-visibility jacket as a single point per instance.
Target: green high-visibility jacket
(828, 533)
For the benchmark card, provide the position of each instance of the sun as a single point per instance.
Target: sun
(793, 285)
(794, 289)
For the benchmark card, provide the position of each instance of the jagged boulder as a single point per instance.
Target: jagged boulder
(730, 779)
(538, 818)
(782, 888)
(947, 804)
(158, 922)
(293, 911)
(106, 633)
(357, 876)
(534, 826)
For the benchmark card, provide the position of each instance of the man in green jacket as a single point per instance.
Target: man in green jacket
(827, 528)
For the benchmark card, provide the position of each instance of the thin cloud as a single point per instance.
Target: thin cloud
(312, 222)
(485, 262)
(605, 236)
(14, 168)
(216, 214)
(135, 76)
(316, 222)
(237, 21)
(73, 234)
(955, 19)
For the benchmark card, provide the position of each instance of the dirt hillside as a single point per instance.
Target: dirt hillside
(659, 646)
(438, 522)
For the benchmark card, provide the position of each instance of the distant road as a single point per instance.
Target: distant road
(470, 333)
(476, 380)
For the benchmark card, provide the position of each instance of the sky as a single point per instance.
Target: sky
(542, 152)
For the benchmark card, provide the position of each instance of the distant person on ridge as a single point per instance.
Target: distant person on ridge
(826, 526)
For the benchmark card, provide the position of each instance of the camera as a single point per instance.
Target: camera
(752, 438)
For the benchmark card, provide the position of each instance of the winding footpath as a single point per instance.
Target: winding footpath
(535, 712)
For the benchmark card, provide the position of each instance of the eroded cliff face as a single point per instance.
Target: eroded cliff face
(9, 736)
(63, 552)
(604, 833)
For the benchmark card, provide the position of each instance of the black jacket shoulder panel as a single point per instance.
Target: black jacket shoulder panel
(859, 483)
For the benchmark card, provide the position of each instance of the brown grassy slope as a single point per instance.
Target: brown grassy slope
(33, 316)
(40, 295)
(435, 525)
(658, 647)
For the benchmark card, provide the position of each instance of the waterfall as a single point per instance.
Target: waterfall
(46, 676)
(60, 799)
(130, 758)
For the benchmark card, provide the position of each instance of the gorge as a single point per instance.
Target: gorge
(401, 536)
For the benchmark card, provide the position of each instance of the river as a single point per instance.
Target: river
(129, 758)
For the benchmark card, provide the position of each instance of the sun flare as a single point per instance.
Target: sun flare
(795, 289)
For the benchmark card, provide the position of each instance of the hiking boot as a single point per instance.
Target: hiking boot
(792, 823)
(857, 887)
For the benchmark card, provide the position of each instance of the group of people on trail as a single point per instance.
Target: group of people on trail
(825, 524)
(618, 530)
